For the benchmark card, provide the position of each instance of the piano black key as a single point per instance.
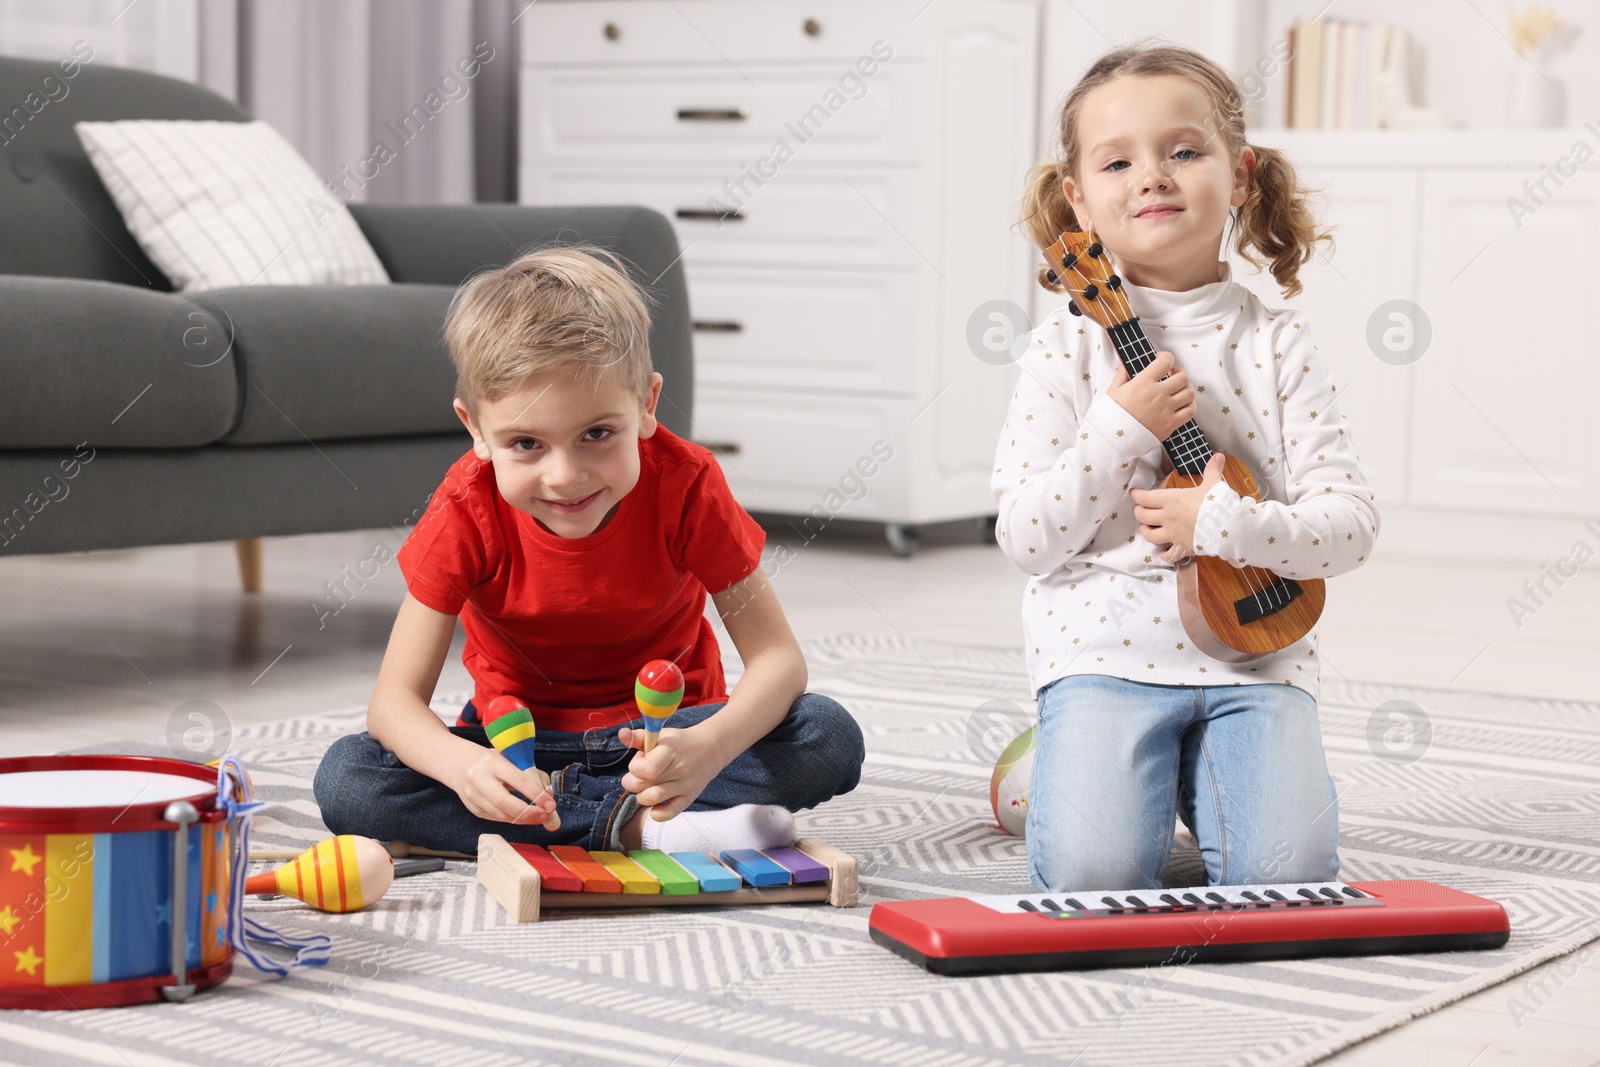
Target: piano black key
(1191, 898)
(1330, 892)
(1141, 905)
(1170, 899)
(1216, 897)
(1114, 904)
(1026, 905)
(1275, 895)
(1250, 896)
(1049, 905)
(1308, 894)
(1350, 891)
(1075, 903)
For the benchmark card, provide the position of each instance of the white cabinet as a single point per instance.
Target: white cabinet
(844, 178)
(1504, 412)
(1492, 419)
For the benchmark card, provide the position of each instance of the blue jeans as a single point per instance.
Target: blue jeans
(813, 755)
(1115, 761)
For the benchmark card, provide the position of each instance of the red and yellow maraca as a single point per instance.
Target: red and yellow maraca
(338, 874)
(658, 691)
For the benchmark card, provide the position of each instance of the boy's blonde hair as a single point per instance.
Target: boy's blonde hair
(1275, 219)
(572, 308)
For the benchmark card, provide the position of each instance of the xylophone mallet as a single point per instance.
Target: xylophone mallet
(657, 691)
(337, 874)
(509, 724)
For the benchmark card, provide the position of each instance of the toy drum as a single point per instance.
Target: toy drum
(91, 849)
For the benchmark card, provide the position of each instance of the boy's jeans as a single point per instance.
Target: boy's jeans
(1116, 760)
(814, 754)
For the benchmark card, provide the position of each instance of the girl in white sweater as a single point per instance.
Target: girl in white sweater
(1137, 725)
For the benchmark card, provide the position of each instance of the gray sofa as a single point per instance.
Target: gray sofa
(132, 415)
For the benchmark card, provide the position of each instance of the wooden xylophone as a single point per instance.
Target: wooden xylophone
(528, 878)
(1060, 931)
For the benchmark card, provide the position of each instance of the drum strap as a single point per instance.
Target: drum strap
(308, 951)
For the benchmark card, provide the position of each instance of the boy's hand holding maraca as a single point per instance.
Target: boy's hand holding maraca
(488, 782)
(674, 766)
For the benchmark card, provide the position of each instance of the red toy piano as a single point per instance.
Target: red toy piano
(1079, 930)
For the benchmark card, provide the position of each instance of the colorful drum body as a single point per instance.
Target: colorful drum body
(87, 869)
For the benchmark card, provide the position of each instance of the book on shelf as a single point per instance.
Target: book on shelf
(1342, 72)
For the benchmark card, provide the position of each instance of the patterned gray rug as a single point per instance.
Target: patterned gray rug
(1495, 795)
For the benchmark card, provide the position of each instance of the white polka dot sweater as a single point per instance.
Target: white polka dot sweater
(1099, 599)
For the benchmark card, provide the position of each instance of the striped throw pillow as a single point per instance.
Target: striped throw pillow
(218, 204)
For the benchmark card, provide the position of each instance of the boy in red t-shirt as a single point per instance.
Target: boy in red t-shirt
(576, 541)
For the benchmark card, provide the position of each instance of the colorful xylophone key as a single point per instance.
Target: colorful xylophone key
(567, 876)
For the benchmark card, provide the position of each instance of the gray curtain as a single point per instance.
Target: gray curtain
(392, 101)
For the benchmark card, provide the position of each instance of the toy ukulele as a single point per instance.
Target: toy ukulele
(1231, 613)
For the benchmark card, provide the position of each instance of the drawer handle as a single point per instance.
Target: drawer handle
(612, 31)
(720, 448)
(708, 215)
(712, 114)
(719, 326)
(812, 27)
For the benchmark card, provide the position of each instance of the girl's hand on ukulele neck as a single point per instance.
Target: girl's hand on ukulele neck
(1159, 396)
(1167, 516)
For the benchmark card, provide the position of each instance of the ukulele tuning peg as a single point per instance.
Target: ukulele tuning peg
(1073, 307)
(1090, 293)
(1113, 283)
(1094, 250)
(1068, 260)
(1052, 277)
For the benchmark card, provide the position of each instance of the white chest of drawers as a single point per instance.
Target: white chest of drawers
(844, 178)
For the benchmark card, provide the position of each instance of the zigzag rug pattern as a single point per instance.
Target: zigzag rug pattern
(1502, 803)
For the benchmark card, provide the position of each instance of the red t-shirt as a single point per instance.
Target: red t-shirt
(566, 623)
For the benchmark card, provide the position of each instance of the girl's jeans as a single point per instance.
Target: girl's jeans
(814, 754)
(1115, 761)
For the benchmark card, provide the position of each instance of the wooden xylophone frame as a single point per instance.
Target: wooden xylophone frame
(513, 882)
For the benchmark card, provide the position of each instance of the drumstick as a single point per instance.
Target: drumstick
(509, 724)
(657, 691)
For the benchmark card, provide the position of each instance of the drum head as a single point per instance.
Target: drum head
(94, 789)
(119, 791)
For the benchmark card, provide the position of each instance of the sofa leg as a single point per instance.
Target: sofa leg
(249, 551)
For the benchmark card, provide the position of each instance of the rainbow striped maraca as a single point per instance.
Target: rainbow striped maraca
(657, 691)
(509, 724)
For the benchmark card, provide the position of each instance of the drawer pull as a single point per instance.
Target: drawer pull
(712, 114)
(718, 326)
(812, 27)
(708, 215)
(720, 448)
(612, 31)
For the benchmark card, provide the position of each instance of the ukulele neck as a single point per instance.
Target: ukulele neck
(1187, 447)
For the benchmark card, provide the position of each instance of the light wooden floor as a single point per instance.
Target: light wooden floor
(109, 646)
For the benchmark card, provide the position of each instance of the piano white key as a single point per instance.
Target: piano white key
(1210, 896)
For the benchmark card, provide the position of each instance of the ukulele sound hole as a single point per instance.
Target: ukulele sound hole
(1274, 598)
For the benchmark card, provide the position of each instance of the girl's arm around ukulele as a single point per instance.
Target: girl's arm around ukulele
(1321, 520)
(1056, 474)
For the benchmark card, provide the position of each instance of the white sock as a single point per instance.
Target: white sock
(744, 826)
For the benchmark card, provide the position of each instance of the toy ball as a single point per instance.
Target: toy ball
(337, 874)
(1008, 787)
